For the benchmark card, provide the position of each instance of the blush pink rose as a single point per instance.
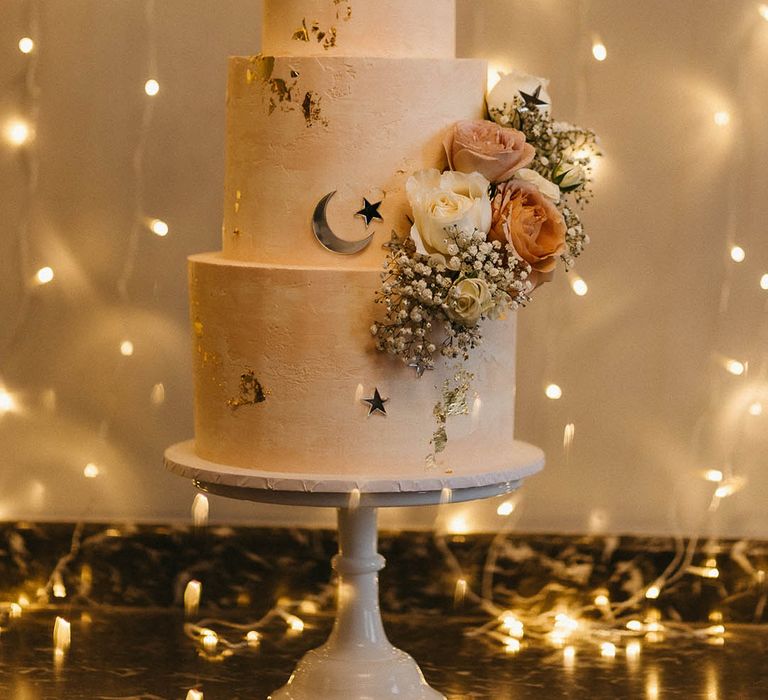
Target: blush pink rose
(494, 151)
(531, 223)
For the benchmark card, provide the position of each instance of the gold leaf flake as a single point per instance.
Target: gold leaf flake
(251, 392)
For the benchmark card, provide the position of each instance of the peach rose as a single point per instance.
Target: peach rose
(531, 223)
(494, 151)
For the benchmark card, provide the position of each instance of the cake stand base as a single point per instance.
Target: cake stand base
(357, 662)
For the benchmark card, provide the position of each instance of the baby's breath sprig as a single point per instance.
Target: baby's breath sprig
(422, 296)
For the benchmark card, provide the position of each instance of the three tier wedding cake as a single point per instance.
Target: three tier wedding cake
(323, 342)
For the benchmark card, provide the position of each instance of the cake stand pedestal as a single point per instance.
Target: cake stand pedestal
(357, 662)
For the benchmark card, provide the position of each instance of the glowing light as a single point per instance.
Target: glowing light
(17, 132)
(308, 607)
(200, 510)
(511, 645)
(512, 625)
(608, 650)
(458, 525)
(506, 508)
(713, 475)
(764, 281)
(194, 695)
(730, 486)
(721, 118)
(62, 634)
(565, 626)
(159, 227)
(295, 623)
(756, 409)
(494, 75)
(91, 471)
(157, 396)
(763, 10)
(633, 649)
(715, 629)
(553, 391)
(446, 495)
(579, 286)
(354, 499)
(210, 641)
(735, 367)
(460, 591)
(738, 254)
(24, 601)
(599, 51)
(126, 348)
(569, 656)
(14, 611)
(253, 638)
(59, 590)
(192, 593)
(653, 592)
(44, 275)
(602, 600)
(635, 626)
(569, 433)
(151, 87)
(26, 44)
(7, 402)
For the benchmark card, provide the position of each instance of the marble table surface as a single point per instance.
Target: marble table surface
(122, 587)
(144, 655)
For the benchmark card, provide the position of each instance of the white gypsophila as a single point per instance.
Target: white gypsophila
(507, 91)
(458, 201)
(549, 189)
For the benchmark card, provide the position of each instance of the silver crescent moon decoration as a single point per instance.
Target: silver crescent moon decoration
(327, 238)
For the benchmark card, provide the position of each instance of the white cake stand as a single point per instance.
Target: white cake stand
(357, 662)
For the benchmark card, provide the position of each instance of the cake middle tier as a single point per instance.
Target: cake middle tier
(301, 128)
(287, 379)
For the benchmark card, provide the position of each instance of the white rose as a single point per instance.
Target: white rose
(444, 204)
(469, 299)
(509, 87)
(569, 177)
(549, 189)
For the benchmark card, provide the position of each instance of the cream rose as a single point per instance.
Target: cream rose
(445, 203)
(469, 299)
(481, 146)
(503, 95)
(547, 188)
(531, 223)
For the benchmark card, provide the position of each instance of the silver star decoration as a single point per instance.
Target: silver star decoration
(420, 367)
(376, 403)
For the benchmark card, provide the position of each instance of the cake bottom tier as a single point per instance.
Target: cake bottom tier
(284, 360)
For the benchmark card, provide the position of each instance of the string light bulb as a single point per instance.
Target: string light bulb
(194, 695)
(44, 275)
(210, 641)
(735, 367)
(17, 132)
(764, 281)
(62, 634)
(608, 650)
(721, 118)
(253, 638)
(756, 409)
(553, 391)
(506, 508)
(26, 44)
(738, 254)
(653, 592)
(579, 286)
(599, 51)
(159, 227)
(126, 348)
(200, 509)
(151, 87)
(7, 402)
(296, 624)
(91, 471)
(714, 475)
(192, 593)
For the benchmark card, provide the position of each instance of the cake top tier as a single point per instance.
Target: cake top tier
(369, 28)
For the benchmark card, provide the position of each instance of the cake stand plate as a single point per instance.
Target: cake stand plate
(357, 662)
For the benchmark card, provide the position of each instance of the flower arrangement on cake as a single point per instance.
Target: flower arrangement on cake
(489, 230)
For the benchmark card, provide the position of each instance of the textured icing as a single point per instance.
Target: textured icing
(360, 28)
(368, 124)
(303, 333)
